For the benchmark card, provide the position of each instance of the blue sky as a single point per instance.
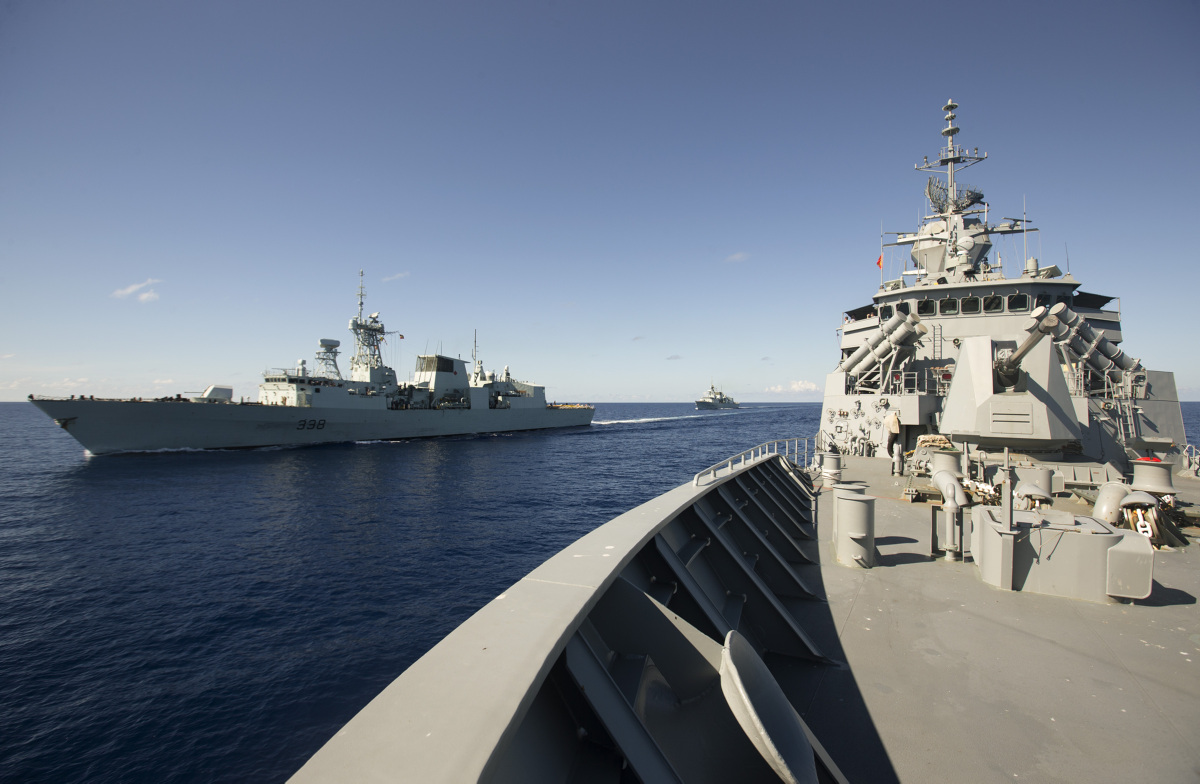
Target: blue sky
(628, 200)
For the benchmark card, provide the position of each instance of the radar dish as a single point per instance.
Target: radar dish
(966, 196)
(935, 191)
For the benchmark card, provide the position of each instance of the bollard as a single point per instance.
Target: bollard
(839, 490)
(831, 466)
(856, 530)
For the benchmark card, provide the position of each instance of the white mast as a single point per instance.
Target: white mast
(368, 337)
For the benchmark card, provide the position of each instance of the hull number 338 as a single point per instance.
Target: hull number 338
(310, 424)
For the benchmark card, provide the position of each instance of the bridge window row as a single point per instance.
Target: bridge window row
(969, 306)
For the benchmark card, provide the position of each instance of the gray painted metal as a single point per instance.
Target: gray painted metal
(1153, 477)
(715, 399)
(1061, 554)
(652, 644)
(615, 659)
(950, 347)
(296, 407)
(855, 533)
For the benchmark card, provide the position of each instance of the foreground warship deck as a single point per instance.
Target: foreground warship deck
(606, 662)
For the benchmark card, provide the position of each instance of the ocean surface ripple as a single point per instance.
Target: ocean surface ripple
(217, 616)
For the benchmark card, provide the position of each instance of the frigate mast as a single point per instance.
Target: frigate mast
(947, 242)
(368, 337)
(948, 157)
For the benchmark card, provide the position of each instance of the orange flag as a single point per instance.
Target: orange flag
(880, 262)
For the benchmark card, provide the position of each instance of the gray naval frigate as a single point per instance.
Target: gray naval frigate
(715, 399)
(958, 349)
(298, 406)
(786, 618)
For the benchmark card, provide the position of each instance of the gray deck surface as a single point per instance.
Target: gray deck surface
(965, 682)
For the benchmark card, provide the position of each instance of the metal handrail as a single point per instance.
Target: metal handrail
(1191, 459)
(788, 448)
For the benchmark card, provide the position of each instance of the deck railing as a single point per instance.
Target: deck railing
(1191, 460)
(794, 449)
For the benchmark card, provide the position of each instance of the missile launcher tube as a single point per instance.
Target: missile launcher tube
(873, 340)
(1101, 353)
(911, 329)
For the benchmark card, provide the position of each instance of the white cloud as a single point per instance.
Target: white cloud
(765, 359)
(163, 381)
(20, 383)
(639, 337)
(7, 356)
(146, 296)
(397, 276)
(1189, 393)
(66, 383)
(793, 387)
(740, 256)
(674, 356)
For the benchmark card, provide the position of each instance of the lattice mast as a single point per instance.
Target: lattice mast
(369, 336)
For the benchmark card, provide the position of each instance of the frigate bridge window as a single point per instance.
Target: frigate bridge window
(948, 306)
(969, 305)
(926, 307)
(993, 303)
(1043, 300)
(1018, 303)
(885, 312)
(902, 307)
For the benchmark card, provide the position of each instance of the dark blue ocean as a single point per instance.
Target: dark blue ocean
(217, 616)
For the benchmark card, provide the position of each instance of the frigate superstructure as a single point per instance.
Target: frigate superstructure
(715, 399)
(299, 405)
(956, 348)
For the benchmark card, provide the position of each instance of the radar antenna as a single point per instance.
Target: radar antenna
(945, 197)
(362, 292)
(327, 354)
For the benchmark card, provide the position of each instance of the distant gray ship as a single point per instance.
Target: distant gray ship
(715, 399)
(298, 406)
